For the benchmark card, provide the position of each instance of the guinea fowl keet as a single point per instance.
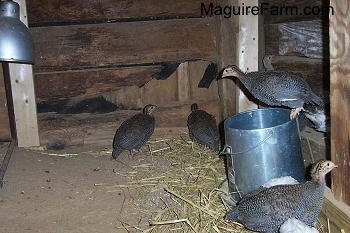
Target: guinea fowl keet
(267, 209)
(134, 132)
(202, 128)
(276, 88)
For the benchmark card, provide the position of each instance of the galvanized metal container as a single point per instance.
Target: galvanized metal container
(261, 144)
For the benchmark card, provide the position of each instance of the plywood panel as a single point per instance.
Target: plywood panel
(52, 86)
(89, 46)
(58, 11)
(340, 98)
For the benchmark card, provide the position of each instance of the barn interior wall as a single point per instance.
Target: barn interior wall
(113, 49)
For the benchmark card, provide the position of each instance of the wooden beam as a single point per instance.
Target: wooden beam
(53, 86)
(5, 129)
(105, 45)
(23, 97)
(183, 82)
(335, 215)
(55, 12)
(248, 52)
(226, 30)
(340, 98)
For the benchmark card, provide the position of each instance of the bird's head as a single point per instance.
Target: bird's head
(231, 71)
(267, 62)
(149, 109)
(194, 107)
(320, 169)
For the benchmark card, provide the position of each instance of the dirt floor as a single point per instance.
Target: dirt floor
(48, 193)
(80, 189)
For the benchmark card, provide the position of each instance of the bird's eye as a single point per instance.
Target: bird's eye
(327, 164)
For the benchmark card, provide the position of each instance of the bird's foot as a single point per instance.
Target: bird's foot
(295, 112)
(192, 146)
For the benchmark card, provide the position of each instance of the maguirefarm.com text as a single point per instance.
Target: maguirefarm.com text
(264, 8)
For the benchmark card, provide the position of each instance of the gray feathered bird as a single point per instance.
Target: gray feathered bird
(134, 132)
(202, 128)
(266, 209)
(318, 116)
(276, 88)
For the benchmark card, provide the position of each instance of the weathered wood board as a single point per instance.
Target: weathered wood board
(52, 86)
(340, 98)
(104, 45)
(5, 130)
(226, 31)
(55, 11)
(100, 128)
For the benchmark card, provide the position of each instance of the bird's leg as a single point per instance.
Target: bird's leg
(295, 112)
(149, 149)
(192, 145)
(130, 154)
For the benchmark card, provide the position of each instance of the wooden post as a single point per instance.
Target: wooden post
(247, 49)
(226, 51)
(339, 30)
(183, 82)
(23, 97)
(5, 130)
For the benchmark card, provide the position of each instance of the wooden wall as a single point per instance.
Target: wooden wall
(340, 99)
(300, 43)
(111, 48)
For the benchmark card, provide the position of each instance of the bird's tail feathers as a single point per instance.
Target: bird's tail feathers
(116, 152)
(316, 99)
(233, 215)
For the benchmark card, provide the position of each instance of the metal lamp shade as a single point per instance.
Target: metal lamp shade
(16, 44)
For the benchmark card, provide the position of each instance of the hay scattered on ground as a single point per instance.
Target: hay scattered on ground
(185, 198)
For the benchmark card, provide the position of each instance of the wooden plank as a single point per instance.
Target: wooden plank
(307, 38)
(336, 213)
(183, 84)
(23, 97)
(314, 71)
(42, 11)
(99, 129)
(226, 55)
(299, 14)
(340, 98)
(5, 130)
(89, 46)
(248, 52)
(52, 86)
